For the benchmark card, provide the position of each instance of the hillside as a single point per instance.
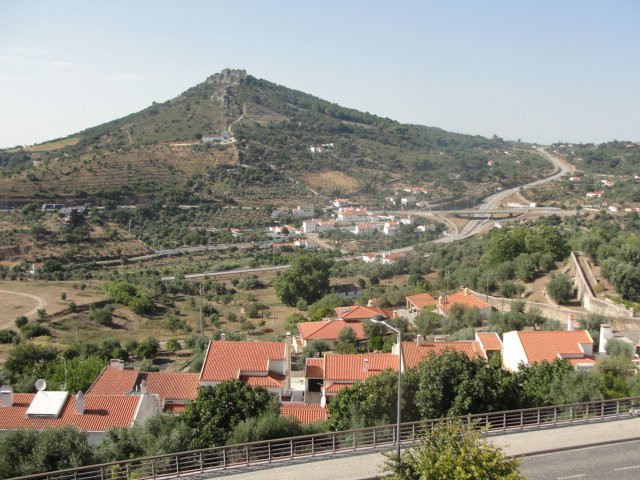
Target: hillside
(159, 152)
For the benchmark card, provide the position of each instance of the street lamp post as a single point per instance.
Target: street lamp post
(381, 320)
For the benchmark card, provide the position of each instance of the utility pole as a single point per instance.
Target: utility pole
(201, 318)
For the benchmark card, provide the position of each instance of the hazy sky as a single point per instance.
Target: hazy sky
(538, 70)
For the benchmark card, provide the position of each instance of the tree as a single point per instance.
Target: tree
(346, 342)
(33, 329)
(130, 295)
(21, 320)
(24, 452)
(428, 323)
(25, 356)
(325, 306)
(173, 346)
(524, 267)
(560, 288)
(265, 427)
(42, 314)
(313, 349)
(103, 315)
(219, 408)
(73, 375)
(8, 336)
(148, 348)
(454, 452)
(307, 278)
(616, 347)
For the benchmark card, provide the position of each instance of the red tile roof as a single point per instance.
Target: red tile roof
(226, 360)
(101, 413)
(421, 300)
(114, 381)
(414, 353)
(579, 361)
(303, 412)
(175, 408)
(314, 368)
(337, 387)
(489, 340)
(468, 300)
(358, 312)
(350, 367)
(272, 379)
(547, 345)
(172, 385)
(329, 329)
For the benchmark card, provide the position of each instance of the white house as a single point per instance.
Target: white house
(303, 212)
(390, 228)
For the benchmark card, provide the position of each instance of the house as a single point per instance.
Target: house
(392, 257)
(575, 179)
(465, 298)
(408, 201)
(405, 219)
(347, 290)
(34, 268)
(282, 229)
(304, 243)
(391, 228)
(426, 228)
(414, 352)
(317, 226)
(613, 208)
(417, 303)
(264, 364)
(280, 212)
(172, 389)
(51, 206)
(360, 313)
(359, 214)
(597, 194)
(369, 257)
(94, 414)
(327, 330)
(341, 202)
(303, 212)
(365, 228)
(607, 183)
(529, 347)
(415, 190)
(236, 232)
(304, 412)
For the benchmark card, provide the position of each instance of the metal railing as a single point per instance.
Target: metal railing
(286, 449)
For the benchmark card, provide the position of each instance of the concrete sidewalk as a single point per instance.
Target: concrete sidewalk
(367, 464)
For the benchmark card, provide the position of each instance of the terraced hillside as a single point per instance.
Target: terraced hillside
(159, 152)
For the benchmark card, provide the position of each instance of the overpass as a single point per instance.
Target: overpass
(357, 454)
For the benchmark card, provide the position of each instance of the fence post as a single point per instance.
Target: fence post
(538, 417)
(201, 461)
(413, 432)
(354, 439)
(521, 420)
(555, 414)
(102, 473)
(246, 451)
(333, 441)
(153, 470)
(374, 437)
(269, 451)
(177, 465)
(571, 414)
(313, 446)
(617, 408)
(504, 421)
(291, 447)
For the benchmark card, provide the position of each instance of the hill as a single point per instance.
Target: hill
(170, 151)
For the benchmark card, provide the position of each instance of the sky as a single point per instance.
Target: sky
(540, 71)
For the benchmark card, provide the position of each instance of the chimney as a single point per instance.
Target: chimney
(605, 334)
(288, 338)
(419, 339)
(116, 363)
(466, 290)
(143, 387)
(440, 300)
(6, 396)
(366, 364)
(223, 337)
(80, 403)
(571, 323)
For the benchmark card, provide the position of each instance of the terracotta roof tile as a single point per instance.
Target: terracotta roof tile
(272, 379)
(337, 387)
(358, 312)
(101, 413)
(114, 381)
(314, 368)
(329, 329)
(547, 345)
(303, 412)
(226, 360)
(421, 300)
(468, 300)
(489, 340)
(175, 408)
(172, 385)
(414, 354)
(350, 367)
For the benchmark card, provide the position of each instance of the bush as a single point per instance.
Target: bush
(103, 315)
(33, 329)
(21, 321)
(173, 346)
(560, 288)
(510, 289)
(265, 427)
(148, 348)
(9, 336)
(136, 298)
(619, 348)
(302, 305)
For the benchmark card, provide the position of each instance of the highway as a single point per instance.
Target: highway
(620, 461)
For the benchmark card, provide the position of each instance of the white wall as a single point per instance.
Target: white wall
(513, 353)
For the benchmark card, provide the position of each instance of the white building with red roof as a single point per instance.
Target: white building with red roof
(360, 313)
(466, 299)
(94, 414)
(359, 214)
(417, 303)
(258, 364)
(528, 347)
(327, 330)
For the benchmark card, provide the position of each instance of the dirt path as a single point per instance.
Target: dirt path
(41, 304)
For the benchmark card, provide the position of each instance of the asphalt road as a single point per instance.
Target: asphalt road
(620, 461)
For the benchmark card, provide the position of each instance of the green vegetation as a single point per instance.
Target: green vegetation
(454, 452)
(130, 295)
(560, 288)
(307, 279)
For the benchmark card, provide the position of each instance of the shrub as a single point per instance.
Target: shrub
(33, 329)
(103, 315)
(9, 336)
(560, 288)
(21, 320)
